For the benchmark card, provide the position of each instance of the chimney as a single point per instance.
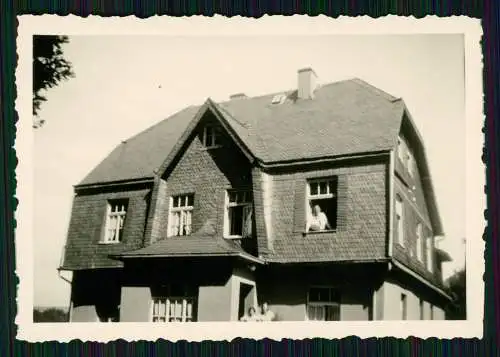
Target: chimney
(237, 96)
(307, 83)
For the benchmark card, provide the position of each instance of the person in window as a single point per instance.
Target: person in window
(250, 316)
(317, 220)
(265, 313)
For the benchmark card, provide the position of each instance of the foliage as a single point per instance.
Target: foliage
(457, 310)
(51, 314)
(49, 67)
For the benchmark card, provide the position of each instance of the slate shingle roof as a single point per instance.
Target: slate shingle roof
(359, 117)
(204, 242)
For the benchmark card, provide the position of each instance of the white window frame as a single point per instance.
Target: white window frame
(429, 252)
(410, 163)
(419, 242)
(115, 220)
(401, 151)
(400, 222)
(184, 210)
(211, 133)
(247, 204)
(163, 315)
(320, 196)
(323, 303)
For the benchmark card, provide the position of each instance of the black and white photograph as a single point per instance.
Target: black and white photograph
(260, 180)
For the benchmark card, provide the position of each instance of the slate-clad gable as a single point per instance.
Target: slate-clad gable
(84, 249)
(207, 173)
(362, 215)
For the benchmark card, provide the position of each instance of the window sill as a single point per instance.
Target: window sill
(233, 237)
(108, 243)
(326, 231)
(206, 148)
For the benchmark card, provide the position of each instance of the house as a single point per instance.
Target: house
(204, 214)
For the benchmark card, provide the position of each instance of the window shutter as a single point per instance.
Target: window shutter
(299, 206)
(342, 202)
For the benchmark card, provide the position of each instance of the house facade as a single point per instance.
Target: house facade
(317, 200)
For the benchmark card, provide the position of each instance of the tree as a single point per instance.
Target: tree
(51, 314)
(49, 68)
(457, 310)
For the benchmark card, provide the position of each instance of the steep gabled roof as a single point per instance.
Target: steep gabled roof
(344, 118)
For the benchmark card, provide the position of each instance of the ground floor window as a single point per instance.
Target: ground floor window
(173, 305)
(323, 304)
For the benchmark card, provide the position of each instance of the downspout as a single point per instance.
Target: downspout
(390, 230)
(59, 270)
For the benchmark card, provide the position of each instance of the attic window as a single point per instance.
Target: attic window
(211, 137)
(278, 99)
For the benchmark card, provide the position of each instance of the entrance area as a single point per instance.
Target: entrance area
(247, 298)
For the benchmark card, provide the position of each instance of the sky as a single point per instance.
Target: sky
(125, 84)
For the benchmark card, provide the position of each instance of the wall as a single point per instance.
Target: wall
(392, 302)
(216, 281)
(410, 189)
(362, 212)
(439, 314)
(286, 290)
(135, 304)
(207, 173)
(87, 224)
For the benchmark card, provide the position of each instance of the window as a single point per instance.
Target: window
(399, 220)
(421, 309)
(419, 242)
(211, 136)
(169, 305)
(322, 205)
(410, 163)
(401, 150)
(181, 211)
(432, 312)
(115, 217)
(428, 248)
(403, 307)
(238, 214)
(323, 304)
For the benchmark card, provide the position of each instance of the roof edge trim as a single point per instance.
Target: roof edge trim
(145, 179)
(125, 256)
(407, 270)
(364, 155)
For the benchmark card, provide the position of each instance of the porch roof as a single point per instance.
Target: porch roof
(189, 246)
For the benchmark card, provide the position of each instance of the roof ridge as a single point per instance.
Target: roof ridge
(286, 91)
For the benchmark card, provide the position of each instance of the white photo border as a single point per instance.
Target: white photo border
(238, 26)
